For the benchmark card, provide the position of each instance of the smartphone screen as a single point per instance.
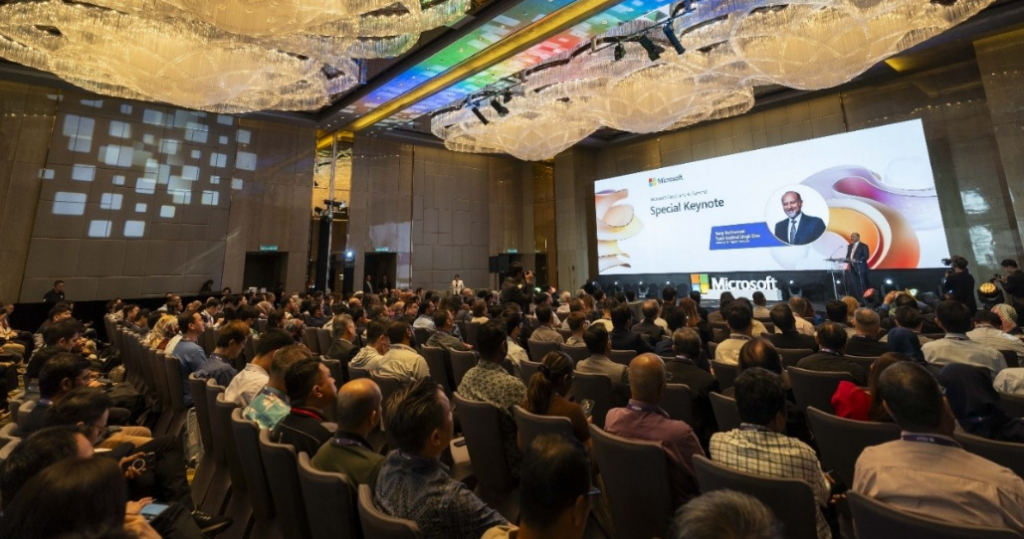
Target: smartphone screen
(153, 510)
(588, 407)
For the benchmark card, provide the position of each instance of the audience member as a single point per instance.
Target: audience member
(832, 343)
(577, 323)
(230, 341)
(377, 344)
(358, 413)
(975, 404)
(443, 337)
(271, 404)
(488, 382)
(254, 377)
(909, 318)
(191, 356)
(724, 301)
(546, 331)
(413, 484)
(63, 336)
(802, 310)
(725, 514)
(479, 312)
(547, 391)
(36, 452)
(60, 374)
(907, 342)
(649, 327)
(864, 341)
(739, 318)
(518, 287)
(786, 333)
(401, 361)
(516, 354)
(956, 320)
(682, 369)
(837, 312)
(760, 305)
(1008, 317)
(343, 336)
(310, 390)
(425, 318)
(926, 472)
(643, 419)
(596, 339)
(759, 447)
(988, 331)
(851, 402)
(621, 337)
(554, 492)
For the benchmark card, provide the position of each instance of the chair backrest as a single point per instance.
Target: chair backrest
(841, 441)
(565, 333)
(330, 502)
(219, 446)
(470, 335)
(527, 369)
(577, 353)
(1006, 454)
(8, 434)
(173, 369)
(198, 388)
(439, 371)
(812, 388)
(790, 356)
(209, 340)
(379, 525)
(355, 373)
(282, 469)
(311, 341)
(388, 386)
(598, 388)
(156, 362)
(877, 520)
(622, 357)
(481, 427)
(725, 373)
(1011, 358)
(461, 363)
(539, 349)
(865, 362)
(323, 340)
(7, 449)
(421, 335)
(635, 475)
(678, 402)
(336, 369)
(1013, 405)
(532, 425)
(247, 443)
(791, 500)
(727, 414)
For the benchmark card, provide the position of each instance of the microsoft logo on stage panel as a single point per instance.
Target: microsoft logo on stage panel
(654, 182)
(699, 282)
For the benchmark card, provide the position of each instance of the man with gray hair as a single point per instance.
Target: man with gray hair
(643, 419)
(864, 342)
(683, 369)
(725, 513)
(358, 412)
(343, 332)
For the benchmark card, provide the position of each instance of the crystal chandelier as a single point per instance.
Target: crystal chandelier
(699, 65)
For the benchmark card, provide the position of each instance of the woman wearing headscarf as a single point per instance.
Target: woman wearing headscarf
(906, 342)
(975, 403)
(1008, 317)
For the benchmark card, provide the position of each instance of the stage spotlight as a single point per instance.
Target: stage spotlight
(888, 281)
(671, 36)
(502, 111)
(480, 115)
(620, 51)
(653, 51)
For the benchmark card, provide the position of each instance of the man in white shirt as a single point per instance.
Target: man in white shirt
(740, 320)
(987, 331)
(250, 380)
(955, 319)
(401, 361)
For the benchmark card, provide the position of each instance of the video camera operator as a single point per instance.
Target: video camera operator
(959, 282)
(1012, 282)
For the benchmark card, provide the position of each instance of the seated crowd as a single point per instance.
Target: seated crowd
(371, 407)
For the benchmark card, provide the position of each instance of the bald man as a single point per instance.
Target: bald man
(643, 419)
(348, 452)
(797, 228)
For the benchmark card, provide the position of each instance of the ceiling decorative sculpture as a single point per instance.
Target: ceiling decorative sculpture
(225, 56)
(699, 65)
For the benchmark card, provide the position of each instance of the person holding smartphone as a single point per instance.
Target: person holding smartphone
(518, 287)
(546, 395)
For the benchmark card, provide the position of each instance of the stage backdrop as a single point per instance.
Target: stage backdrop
(729, 214)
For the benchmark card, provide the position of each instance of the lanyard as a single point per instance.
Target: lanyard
(752, 427)
(643, 407)
(307, 413)
(342, 441)
(924, 438)
(740, 337)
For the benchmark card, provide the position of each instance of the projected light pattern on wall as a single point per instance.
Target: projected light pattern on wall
(126, 175)
(513, 20)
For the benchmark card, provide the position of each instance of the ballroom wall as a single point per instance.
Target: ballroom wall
(130, 199)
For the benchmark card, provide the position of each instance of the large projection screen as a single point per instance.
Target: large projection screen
(727, 214)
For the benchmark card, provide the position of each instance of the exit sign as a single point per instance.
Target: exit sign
(381, 249)
(513, 251)
(268, 248)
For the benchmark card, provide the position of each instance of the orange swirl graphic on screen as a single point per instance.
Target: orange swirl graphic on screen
(615, 222)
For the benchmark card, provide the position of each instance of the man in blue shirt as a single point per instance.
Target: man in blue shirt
(230, 341)
(190, 355)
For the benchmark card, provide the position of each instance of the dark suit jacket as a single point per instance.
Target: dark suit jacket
(865, 347)
(810, 229)
(793, 340)
(652, 329)
(367, 287)
(861, 254)
(701, 383)
(513, 291)
(343, 350)
(623, 339)
(826, 362)
(302, 432)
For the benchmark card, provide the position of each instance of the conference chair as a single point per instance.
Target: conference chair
(378, 525)
(8, 434)
(471, 329)
(576, 353)
(812, 388)
(211, 481)
(791, 500)
(323, 340)
(14, 406)
(440, 372)
(7, 449)
(421, 335)
(156, 362)
(257, 485)
(1011, 358)
(355, 373)
(598, 388)
(282, 469)
(865, 362)
(336, 369)
(873, 519)
(622, 357)
(461, 326)
(790, 356)
(239, 507)
(712, 347)
(172, 367)
(310, 340)
(248, 352)
(1013, 405)
(532, 425)
(481, 426)
(565, 333)
(539, 349)
(725, 373)
(1006, 454)
(208, 340)
(261, 325)
(727, 414)
(461, 363)
(678, 402)
(388, 385)
(841, 441)
(527, 369)
(636, 480)
(330, 502)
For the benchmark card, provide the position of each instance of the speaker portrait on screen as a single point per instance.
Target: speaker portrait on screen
(797, 228)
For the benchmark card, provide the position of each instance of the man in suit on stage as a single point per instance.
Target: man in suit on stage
(798, 228)
(857, 254)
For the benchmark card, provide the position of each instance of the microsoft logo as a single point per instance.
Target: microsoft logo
(651, 182)
(699, 282)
